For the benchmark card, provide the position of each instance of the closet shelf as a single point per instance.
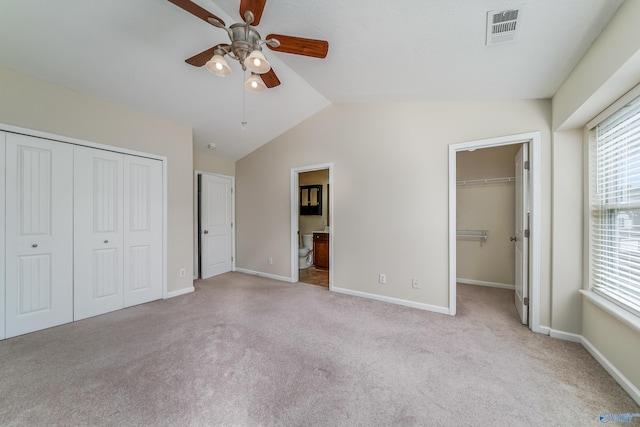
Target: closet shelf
(486, 181)
(480, 235)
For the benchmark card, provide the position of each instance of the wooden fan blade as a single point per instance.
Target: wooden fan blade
(196, 10)
(270, 79)
(300, 46)
(203, 57)
(255, 6)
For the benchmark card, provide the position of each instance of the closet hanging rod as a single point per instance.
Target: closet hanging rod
(487, 181)
(481, 235)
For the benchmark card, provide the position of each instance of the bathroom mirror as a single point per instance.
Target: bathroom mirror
(311, 200)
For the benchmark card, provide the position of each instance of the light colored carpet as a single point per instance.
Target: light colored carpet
(250, 351)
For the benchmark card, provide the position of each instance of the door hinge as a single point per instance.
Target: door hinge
(231, 224)
(232, 191)
(526, 302)
(526, 233)
(231, 259)
(526, 165)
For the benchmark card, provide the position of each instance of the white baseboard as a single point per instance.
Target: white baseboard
(179, 292)
(485, 283)
(566, 336)
(406, 303)
(624, 382)
(261, 274)
(545, 330)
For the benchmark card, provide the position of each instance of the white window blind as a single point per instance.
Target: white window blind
(615, 208)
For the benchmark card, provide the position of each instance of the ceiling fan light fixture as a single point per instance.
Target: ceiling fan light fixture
(254, 83)
(218, 65)
(257, 63)
(245, 44)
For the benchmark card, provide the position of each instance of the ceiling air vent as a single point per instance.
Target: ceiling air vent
(503, 26)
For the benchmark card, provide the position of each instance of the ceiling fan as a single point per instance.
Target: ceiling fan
(246, 45)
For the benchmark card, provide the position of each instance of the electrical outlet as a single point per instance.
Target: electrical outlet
(415, 283)
(270, 261)
(183, 272)
(382, 278)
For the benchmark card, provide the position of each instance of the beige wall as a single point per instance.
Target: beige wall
(310, 223)
(35, 104)
(617, 341)
(484, 163)
(610, 68)
(488, 207)
(390, 190)
(210, 163)
(567, 231)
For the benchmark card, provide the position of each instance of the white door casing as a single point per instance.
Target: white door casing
(295, 216)
(98, 232)
(521, 235)
(39, 234)
(142, 230)
(534, 139)
(215, 225)
(2, 238)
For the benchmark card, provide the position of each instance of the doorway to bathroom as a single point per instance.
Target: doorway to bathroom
(525, 234)
(312, 224)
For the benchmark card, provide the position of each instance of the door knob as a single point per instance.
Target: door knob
(513, 239)
(106, 241)
(35, 245)
(206, 232)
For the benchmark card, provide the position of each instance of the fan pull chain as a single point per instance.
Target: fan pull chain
(244, 94)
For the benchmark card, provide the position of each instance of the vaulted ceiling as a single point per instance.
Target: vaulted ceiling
(132, 53)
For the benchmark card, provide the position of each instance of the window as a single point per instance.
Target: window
(615, 207)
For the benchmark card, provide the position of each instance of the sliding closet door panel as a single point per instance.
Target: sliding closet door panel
(98, 232)
(143, 230)
(39, 234)
(2, 238)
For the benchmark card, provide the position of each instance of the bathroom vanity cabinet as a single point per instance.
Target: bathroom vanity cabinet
(321, 250)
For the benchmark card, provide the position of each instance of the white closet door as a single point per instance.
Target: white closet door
(98, 232)
(142, 230)
(521, 239)
(2, 207)
(39, 234)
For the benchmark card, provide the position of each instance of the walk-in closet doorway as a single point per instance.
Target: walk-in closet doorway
(526, 233)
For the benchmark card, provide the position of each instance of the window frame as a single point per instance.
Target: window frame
(592, 208)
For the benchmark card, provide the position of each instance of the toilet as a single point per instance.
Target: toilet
(305, 252)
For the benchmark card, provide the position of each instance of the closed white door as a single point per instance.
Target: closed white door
(143, 230)
(39, 234)
(215, 225)
(98, 232)
(521, 234)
